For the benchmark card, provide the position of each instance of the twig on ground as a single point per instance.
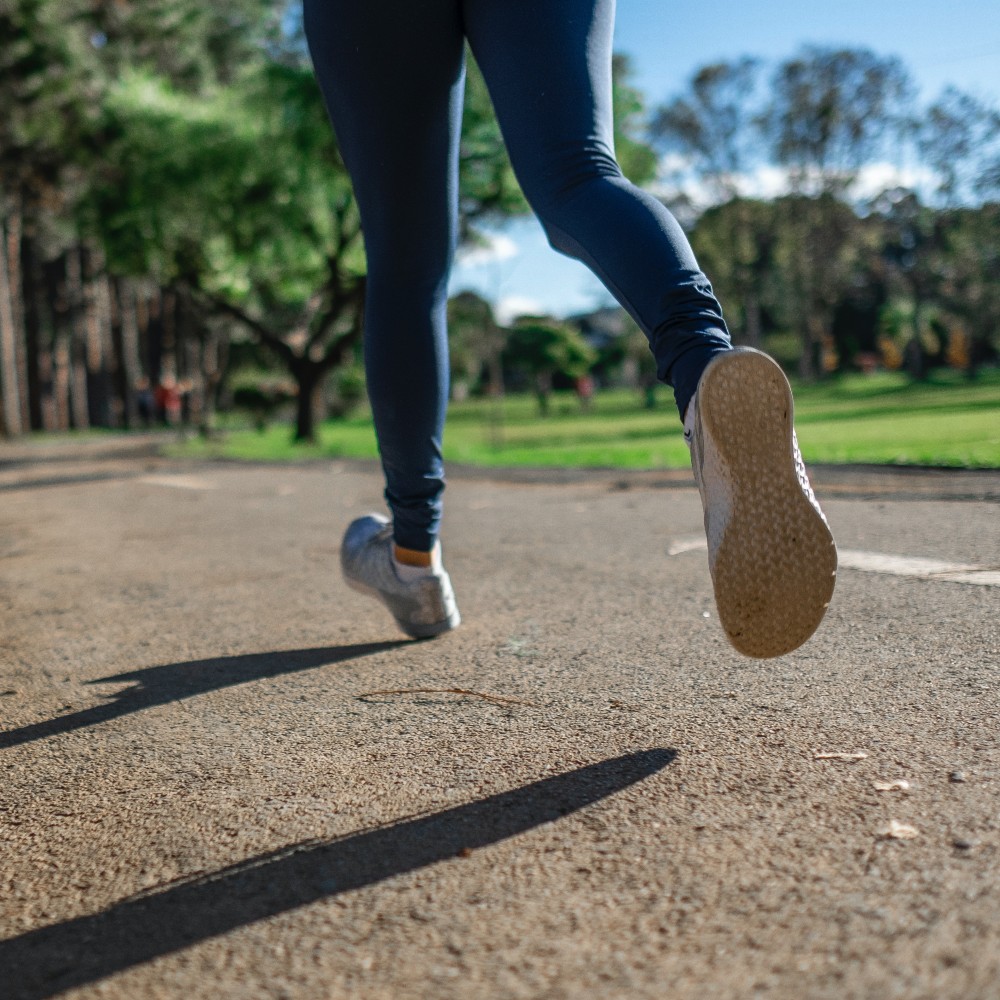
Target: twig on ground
(495, 698)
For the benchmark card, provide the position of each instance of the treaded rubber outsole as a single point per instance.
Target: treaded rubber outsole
(775, 566)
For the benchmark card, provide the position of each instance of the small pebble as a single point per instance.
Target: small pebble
(962, 845)
(957, 777)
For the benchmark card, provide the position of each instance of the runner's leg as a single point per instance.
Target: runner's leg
(547, 64)
(392, 75)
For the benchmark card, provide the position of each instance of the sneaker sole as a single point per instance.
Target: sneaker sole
(413, 631)
(776, 564)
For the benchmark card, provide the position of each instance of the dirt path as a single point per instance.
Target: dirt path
(225, 775)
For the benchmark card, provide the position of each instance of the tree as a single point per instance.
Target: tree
(969, 264)
(194, 46)
(910, 244)
(832, 111)
(540, 348)
(72, 320)
(959, 138)
(182, 156)
(475, 343)
(273, 243)
(816, 254)
(49, 92)
(735, 243)
(635, 156)
(714, 125)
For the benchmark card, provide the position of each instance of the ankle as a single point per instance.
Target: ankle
(412, 564)
(411, 557)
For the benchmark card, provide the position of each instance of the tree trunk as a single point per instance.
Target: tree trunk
(308, 379)
(10, 391)
(193, 336)
(915, 359)
(914, 352)
(33, 296)
(100, 355)
(807, 371)
(22, 344)
(168, 317)
(213, 351)
(543, 388)
(802, 306)
(125, 340)
(55, 370)
(78, 401)
(62, 383)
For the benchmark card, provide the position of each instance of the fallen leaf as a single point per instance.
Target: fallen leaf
(899, 785)
(899, 831)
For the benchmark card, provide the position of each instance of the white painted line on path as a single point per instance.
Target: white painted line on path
(925, 569)
(179, 482)
(691, 544)
(879, 562)
(876, 562)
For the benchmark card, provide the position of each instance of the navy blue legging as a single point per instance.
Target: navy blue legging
(392, 73)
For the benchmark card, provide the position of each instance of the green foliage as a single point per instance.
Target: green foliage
(736, 243)
(635, 156)
(193, 46)
(190, 196)
(348, 390)
(186, 145)
(969, 265)
(959, 138)
(541, 348)
(261, 400)
(50, 88)
(474, 339)
(487, 186)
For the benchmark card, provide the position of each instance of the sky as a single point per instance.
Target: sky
(940, 43)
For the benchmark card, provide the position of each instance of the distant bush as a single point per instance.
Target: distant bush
(261, 400)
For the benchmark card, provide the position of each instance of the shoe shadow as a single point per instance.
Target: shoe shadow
(45, 962)
(176, 681)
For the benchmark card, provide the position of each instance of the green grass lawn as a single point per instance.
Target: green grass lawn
(882, 418)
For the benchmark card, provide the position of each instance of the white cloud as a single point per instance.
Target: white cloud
(512, 306)
(875, 178)
(764, 182)
(767, 181)
(495, 247)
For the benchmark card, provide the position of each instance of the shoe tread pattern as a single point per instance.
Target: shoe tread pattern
(775, 566)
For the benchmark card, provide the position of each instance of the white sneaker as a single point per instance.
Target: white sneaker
(771, 554)
(423, 607)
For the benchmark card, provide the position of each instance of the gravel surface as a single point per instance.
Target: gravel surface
(226, 775)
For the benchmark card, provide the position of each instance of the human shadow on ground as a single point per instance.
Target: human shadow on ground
(72, 479)
(44, 962)
(176, 681)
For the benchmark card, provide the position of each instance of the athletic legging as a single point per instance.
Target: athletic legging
(392, 74)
